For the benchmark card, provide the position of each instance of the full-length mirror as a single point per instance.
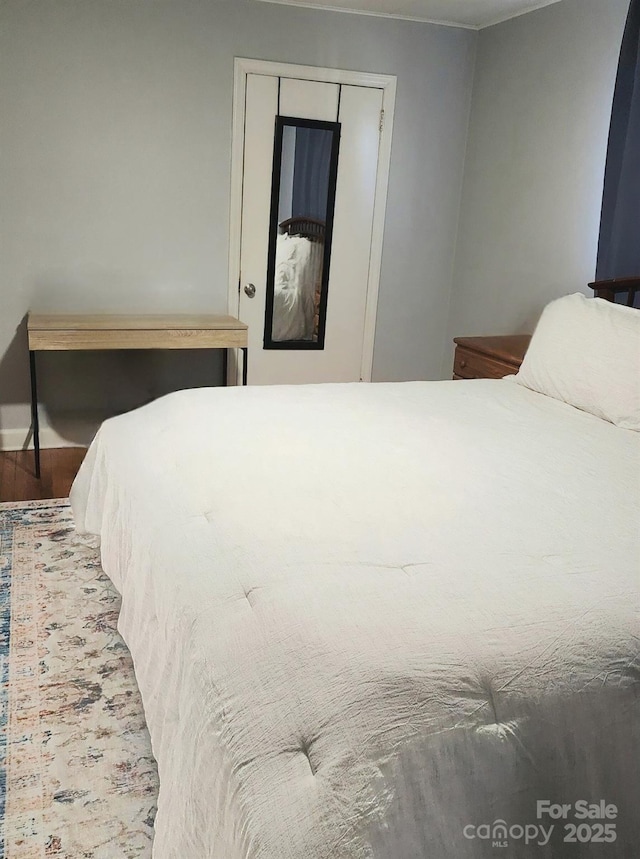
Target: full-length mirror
(305, 165)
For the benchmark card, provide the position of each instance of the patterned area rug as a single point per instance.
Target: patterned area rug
(77, 776)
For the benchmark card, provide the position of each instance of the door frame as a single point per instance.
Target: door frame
(387, 83)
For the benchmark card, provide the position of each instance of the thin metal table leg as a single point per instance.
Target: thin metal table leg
(34, 411)
(244, 364)
(225, 367)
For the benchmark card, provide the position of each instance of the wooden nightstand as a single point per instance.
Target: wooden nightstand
(489, 357)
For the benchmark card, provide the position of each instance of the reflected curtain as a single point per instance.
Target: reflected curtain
(311, 175)
(619, 244)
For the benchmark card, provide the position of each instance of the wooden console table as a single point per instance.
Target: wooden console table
(101, 331)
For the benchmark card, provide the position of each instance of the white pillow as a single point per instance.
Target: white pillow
(586, 352)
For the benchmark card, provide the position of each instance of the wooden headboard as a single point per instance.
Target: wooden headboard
(608, 289)
(308, 228)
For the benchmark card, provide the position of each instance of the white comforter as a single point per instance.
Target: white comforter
(343, 600)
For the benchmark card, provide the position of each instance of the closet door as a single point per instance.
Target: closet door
(309, 181)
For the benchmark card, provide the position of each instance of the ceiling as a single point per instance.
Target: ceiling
(473, 14)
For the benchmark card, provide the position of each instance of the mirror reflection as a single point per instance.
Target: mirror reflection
(303, 196)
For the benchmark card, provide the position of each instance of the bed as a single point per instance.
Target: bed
(382, 620)
(298, 279)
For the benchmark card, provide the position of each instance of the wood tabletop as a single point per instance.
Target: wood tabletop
(62, 332)
(130, 322)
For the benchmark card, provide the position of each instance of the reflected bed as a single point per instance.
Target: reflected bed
(298, 280)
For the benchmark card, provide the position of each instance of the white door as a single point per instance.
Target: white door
(346, 304)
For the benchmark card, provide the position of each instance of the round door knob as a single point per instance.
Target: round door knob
(463, 363)
(249, 290)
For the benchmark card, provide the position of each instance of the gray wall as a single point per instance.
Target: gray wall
(535, 161)
(115, 172)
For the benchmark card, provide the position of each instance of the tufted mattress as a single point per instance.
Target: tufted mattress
(367, 620)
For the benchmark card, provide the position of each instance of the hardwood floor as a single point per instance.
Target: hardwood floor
(58, 468)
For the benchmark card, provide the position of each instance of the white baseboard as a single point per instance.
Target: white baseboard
(76, 431)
